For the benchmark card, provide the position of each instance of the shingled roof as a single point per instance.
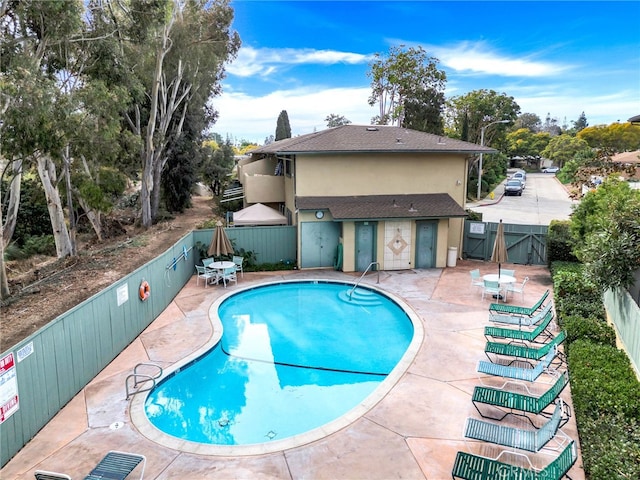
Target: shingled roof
(366, 207)
(370, 138)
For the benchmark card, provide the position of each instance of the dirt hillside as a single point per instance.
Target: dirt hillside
(45, 288)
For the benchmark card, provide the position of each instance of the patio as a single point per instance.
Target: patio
(414, 431)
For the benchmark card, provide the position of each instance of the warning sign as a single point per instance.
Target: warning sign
(8, 387)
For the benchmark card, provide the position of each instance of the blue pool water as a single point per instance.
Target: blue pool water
(293, 357)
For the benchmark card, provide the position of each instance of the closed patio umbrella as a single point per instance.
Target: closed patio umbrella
(220, 243)
(499, 254)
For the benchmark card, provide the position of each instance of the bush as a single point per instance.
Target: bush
(593, 329)
(559, 242)
(581, 306)
(610, 446)
(602, 381)
(33, 245)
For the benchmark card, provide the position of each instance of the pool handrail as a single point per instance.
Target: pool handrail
(362, 276)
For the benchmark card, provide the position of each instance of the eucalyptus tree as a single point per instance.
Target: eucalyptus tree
(37, 39)
(407, 84)
(171, 55)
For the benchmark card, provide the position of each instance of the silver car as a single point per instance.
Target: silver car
(513, 187)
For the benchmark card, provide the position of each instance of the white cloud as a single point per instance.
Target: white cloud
(478, 58)
(599, 109)
(254, 118)
(265, 61)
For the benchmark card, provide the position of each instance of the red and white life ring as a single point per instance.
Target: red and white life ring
(145, 290)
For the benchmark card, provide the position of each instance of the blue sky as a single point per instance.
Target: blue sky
(311, 58)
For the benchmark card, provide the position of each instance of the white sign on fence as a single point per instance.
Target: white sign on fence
(8, 387)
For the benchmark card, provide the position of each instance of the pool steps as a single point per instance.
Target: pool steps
(360, 296)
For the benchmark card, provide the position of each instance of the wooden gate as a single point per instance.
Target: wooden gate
(526, 244)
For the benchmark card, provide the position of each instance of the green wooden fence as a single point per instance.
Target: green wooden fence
(526, 244)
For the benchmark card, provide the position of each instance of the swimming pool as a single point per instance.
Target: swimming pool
(293, 359)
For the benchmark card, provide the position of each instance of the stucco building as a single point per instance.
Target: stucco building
(366, 194)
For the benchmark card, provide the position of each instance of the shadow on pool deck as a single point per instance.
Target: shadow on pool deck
(414, 432)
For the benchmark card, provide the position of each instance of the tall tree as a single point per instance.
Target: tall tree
(283, 129)
(526, 144)
(406, 75)
(334, 120)
(479, 108)
(581, 123)
(37, 40)
(530, 121)
(563, 148)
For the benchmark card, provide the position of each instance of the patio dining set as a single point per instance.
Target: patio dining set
(498, 285)
(214, 272)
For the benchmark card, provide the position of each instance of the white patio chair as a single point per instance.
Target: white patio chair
(206, 274)
(476, 279)
(229, 275)
(512, 287)
(237, 259)
(492, 288)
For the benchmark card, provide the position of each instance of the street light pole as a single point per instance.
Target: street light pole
(482, 145)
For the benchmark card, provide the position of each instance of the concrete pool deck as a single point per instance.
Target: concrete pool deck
(413, 432)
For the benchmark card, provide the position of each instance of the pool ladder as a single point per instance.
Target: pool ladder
(139, 378)
(362, 276)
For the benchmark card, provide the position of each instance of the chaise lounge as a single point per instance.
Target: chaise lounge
(113, 466)
(519, 334)
(530, 440)
(501, 308)
(517, 403)
(522, 352)
(468, 466)
(519, 373)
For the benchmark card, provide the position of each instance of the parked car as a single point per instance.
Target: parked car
(522, 176)
(551, 170)
(513, 187)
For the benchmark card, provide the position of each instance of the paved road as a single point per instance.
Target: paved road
(544, 199)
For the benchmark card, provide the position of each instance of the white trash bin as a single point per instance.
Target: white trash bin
(452, 256)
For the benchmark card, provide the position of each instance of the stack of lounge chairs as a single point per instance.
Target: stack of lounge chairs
(524, 352)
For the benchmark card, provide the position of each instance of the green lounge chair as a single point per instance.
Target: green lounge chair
(117, 466)
(530, 440)
(520, 320)
(518, 310)
(519, 334)
(517, 403)
(522, 352)
(518, 373)
(475, 467)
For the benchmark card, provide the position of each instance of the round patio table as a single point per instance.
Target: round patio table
(502, 280)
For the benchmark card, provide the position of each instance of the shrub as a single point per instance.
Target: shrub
(610, 446)
(602, 381)
(559, 242)
(593, 329)
(581, 306)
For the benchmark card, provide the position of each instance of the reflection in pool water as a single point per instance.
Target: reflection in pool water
(293, 357)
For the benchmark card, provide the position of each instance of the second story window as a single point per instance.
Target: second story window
(288, 167)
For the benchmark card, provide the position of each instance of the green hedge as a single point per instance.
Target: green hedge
(559, 242)
(604, 388)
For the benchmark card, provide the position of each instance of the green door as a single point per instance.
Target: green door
(319, 243)
(365, 245)
(426, 244)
